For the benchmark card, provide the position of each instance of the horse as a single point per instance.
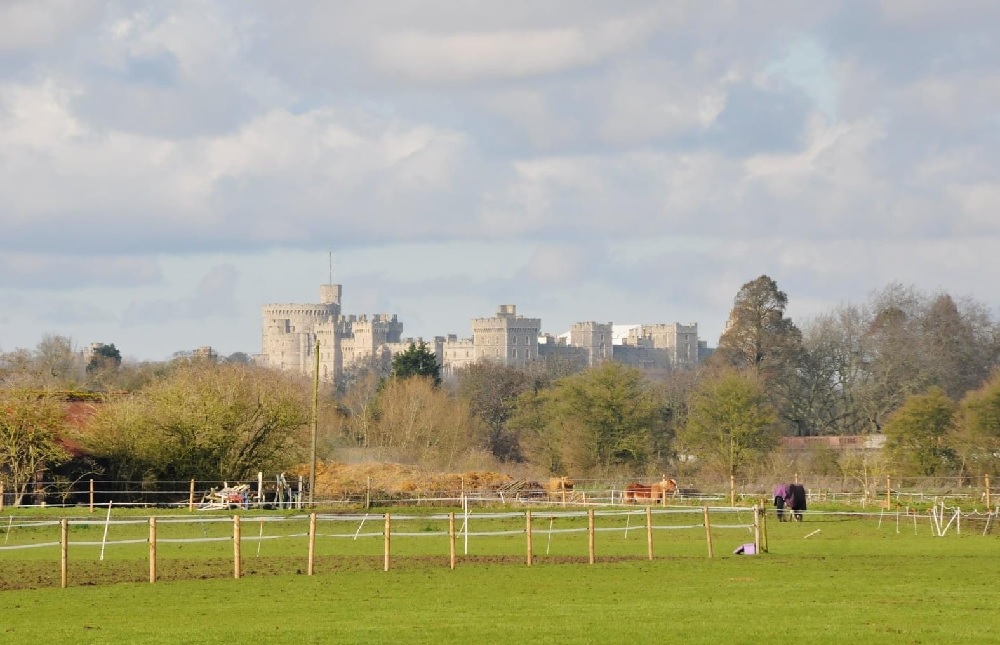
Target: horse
(635, 492)
(652, 493)
(795, 500)
(666, 487)
(558, 487)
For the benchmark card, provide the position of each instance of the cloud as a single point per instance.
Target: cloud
(213, 298)
(486, 55)
(564, 156)
(30, 25)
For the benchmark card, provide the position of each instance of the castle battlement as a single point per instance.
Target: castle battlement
(290, 333)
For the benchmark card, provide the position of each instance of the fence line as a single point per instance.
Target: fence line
(520, 519)
(939, 520)
(290, 494)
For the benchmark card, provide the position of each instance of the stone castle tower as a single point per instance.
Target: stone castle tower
(291, 331)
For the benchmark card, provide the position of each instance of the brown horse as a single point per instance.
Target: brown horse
(666, 487)
(635, 493)
(653, 493)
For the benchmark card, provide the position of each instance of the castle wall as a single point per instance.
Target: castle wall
(290, 333)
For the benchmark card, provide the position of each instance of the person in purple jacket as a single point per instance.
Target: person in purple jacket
(780, 493)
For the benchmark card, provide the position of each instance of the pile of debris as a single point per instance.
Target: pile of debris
(336, 479)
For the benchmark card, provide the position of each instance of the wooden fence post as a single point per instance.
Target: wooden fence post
(732, 490)
(590, 534)
(312, 543)
(649, 532)
(63, 552)
(1, 496)
(91, 495)
(387, 532)
(191, 498)
(451, 539)
(888, 492)
(527, 534)
(986, 482)
(708, 532)
(756, 528)
(152, 549)
(237, 538)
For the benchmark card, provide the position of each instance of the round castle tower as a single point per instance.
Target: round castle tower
(290, 332)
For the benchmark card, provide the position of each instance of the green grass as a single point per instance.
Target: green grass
(852, 582)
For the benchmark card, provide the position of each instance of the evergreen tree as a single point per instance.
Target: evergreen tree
(758, 336)
(104, 357)
(417, 360)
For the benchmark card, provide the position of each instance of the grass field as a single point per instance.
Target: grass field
(852, 582)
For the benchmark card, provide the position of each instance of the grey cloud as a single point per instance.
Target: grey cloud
(574, 125)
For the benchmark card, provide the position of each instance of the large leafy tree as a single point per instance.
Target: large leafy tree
(834, 373)
(862, 362)
(978, 428)
(29, 427)
(959, 344)
(760, 339)
(757, 335)
(416, 360)
(917, 434)
(731, 425)
(492, 391)
(602, 420)
(204, 420)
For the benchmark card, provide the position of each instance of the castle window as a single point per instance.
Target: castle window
(515, 353)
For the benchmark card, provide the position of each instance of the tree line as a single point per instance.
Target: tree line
(916, 368)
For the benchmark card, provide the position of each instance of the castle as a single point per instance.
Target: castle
(293, 332)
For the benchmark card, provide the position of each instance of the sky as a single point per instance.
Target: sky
(167, 168)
